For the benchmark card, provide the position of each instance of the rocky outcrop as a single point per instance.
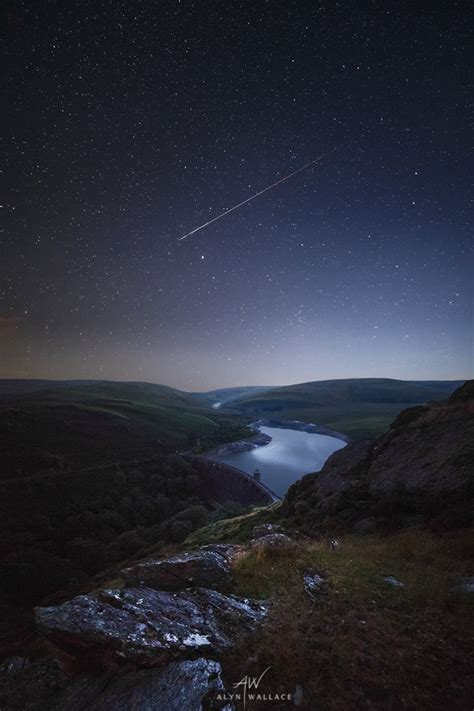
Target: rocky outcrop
(30, 687)
(146, 642)
(202, 568)
(313, 583)
(465, 585)
(427, 455)
(230, 551)
(273, 541)
(265, 529)
(191, 685)
(149, 627)
(393, 581)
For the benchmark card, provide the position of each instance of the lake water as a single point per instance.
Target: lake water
(289, 456)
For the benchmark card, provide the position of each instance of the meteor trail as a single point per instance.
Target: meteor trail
(252, 197)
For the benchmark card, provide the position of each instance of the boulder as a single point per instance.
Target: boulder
(190, 685)
(149, 627)
(230, 551)
(26, 686)
(465, 585)
(394, 582)
(199, 568)
(265, 529)
(313, 583)
(13, 665)
(272, 541)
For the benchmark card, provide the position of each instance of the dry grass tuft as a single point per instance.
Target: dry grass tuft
(363, 644)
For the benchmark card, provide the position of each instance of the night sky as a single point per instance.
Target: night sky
(129, 124)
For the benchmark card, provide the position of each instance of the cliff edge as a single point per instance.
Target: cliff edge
(422, 467)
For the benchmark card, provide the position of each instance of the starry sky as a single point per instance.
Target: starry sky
(129, 124)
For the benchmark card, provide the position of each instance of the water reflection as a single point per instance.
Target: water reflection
(289, 456)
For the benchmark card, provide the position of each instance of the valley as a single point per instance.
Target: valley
(139, 584)
(92, 474)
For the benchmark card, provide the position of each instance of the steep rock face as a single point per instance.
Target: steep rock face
(149, 627)
(199, 568)
(431, 456)
(427, 453)
(344, 467)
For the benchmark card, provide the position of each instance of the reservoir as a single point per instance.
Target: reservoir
(289, 456)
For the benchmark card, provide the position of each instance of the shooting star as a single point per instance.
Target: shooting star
(260, 192)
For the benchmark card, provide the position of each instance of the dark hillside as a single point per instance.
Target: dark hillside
(362, 407)
(10, 387)
(100, 422)
(422, 467)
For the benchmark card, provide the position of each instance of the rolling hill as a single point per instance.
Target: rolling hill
(359, 407)
(228, 395)
(95, 422)
(11, 387)
(54, 424)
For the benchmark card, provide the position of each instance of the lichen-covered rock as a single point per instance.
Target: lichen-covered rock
(230, 551)
(196, 569)
(313, 583)
(180, 686)
(25, 686)
(13, 665)
(273, 540)
(265, 529)
(393, 581)
(465, 585)
(189, 685)
(149, 626)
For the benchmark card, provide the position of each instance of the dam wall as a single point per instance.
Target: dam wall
(226, 483)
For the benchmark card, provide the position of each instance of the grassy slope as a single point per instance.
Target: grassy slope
(363, 644)
(357, 407)
(10, 387)
(231, 394)
(99, 421)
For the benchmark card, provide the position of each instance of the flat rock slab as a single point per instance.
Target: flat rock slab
(180, 686)
(196, 569)
(150, 627)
